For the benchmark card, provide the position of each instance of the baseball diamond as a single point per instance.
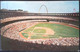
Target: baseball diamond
(49, 30)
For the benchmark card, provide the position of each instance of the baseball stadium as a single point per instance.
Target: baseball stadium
(25, 31)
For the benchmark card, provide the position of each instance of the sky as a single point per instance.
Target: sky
(34, 6)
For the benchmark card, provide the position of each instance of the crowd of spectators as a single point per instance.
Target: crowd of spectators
(12, 31)
(46, 18)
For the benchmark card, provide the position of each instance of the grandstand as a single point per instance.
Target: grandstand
(15, 22)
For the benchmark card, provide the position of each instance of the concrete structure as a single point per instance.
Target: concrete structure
(8, 13)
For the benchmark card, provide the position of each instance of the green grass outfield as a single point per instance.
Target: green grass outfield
(60, 31)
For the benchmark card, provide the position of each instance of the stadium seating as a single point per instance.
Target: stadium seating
(14, 22)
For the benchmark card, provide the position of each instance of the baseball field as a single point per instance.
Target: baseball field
(49, 30)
